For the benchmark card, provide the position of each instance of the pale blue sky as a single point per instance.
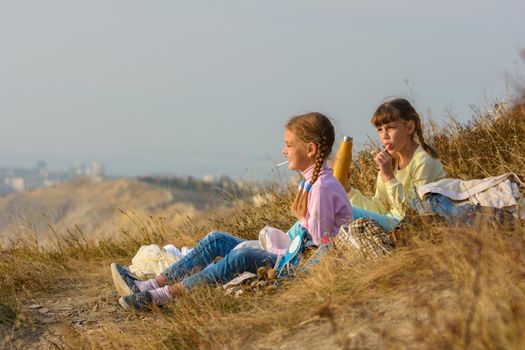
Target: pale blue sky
(204, 87)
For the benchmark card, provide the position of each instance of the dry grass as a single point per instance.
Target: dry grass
(464, 288)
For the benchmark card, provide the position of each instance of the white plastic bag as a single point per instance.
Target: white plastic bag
(151, 260)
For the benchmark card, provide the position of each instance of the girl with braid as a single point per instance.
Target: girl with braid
(321, 205)
(405, 163)
(318, 205)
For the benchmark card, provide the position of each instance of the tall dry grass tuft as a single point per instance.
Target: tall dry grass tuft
(490, 144)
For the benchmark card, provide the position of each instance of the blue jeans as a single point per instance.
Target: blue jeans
(233, 263)
(454, 213)
(387, 221)
(463, 213)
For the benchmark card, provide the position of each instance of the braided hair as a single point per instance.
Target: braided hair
(317, 128)
(401, 109)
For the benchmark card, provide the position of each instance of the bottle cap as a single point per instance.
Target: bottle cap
(348, 139)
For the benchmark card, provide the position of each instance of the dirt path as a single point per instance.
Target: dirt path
(82, 311)
(67, 315)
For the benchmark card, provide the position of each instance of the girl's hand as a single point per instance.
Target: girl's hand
(384, 161)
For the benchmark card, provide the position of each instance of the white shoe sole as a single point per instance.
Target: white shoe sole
(123, 303)
(120, 284)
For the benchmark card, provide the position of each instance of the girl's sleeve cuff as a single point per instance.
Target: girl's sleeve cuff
(392, 182)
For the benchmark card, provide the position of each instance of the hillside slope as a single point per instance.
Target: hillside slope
(446, 288)
(90, 205)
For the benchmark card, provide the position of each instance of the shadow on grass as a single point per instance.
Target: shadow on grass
(7, 317)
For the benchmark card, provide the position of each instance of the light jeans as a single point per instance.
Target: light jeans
(387, 221)
(194, 269)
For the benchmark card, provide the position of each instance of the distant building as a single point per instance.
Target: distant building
(209, 179)
(18, 184)
(78, 169)
(18, 180)
(95, 170)
(41, 168)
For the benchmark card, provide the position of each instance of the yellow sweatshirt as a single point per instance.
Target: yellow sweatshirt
(393, 196)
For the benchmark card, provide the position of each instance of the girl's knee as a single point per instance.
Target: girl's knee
(213, 235)
(236, 254)
(248, 259)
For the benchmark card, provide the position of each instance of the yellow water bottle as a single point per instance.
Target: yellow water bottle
(343, 160)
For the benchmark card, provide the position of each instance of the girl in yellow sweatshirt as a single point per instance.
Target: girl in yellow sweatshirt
(405, 163)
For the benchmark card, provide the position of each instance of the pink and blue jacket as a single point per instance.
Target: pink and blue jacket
(328, 205)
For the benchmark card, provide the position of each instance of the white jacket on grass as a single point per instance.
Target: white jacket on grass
(496, 192)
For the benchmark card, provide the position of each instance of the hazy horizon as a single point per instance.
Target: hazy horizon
(206, 87)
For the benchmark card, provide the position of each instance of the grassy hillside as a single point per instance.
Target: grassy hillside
(449, 287)
(93, 207)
